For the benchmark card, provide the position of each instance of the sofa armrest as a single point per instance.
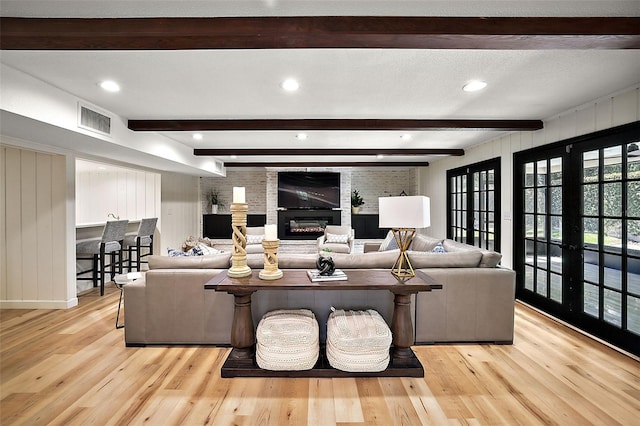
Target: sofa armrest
(135, 313)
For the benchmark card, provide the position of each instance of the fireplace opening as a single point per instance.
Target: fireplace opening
(305, 224)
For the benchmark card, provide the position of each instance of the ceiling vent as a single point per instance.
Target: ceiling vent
(92, 120)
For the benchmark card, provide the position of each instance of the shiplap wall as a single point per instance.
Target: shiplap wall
(604, 113)
(181, 212)
(126, 193)
(34, 254)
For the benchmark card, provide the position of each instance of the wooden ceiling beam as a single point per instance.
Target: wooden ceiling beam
(357, 32)
(324, 152)
(329, 164)
(332, 124)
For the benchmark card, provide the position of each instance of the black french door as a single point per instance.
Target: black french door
(577, 232)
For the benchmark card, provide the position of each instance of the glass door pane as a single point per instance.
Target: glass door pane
(577, 233)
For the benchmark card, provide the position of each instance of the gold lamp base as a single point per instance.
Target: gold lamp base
(402, 269)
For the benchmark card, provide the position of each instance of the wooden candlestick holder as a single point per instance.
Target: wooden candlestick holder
(239, 267)
(270, 271)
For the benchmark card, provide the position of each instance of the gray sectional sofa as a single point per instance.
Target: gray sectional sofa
(476, 303)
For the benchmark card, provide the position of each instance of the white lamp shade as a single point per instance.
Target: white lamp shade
(404, 212)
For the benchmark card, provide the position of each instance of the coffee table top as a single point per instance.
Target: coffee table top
(297, 279)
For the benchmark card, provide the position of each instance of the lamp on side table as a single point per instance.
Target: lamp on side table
(403, 215)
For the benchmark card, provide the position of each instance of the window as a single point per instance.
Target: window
(474, 204)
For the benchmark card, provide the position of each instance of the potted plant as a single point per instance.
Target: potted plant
(214, 199)
(356, 201)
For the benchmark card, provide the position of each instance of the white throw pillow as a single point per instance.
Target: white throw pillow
(337, 238)
(389, 243)
(255, 239)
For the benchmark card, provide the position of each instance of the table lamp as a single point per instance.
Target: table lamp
(404, 215)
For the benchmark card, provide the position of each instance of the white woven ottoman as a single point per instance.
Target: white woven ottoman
(358, 341)
(287, 340)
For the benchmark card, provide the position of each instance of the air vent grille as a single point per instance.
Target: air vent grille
(94, 121)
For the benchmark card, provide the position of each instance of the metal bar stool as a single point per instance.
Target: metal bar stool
(96, 250)
(134, 242)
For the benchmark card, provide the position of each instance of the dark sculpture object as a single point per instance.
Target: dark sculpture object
(325, 265)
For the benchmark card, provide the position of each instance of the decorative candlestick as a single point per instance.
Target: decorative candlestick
(239, 267)
(270, 271)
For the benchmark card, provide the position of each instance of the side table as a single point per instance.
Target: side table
(121, 281)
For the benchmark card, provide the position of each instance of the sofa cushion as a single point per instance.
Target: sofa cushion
(285, 261)
(373, 260)
(213, 261)
(461, 259)
(424, 243)
(490, 259)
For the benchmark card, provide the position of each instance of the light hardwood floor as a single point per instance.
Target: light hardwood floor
(71, 367)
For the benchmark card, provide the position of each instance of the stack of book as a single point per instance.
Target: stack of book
(338, 275)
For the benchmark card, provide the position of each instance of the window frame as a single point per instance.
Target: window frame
(461, 214)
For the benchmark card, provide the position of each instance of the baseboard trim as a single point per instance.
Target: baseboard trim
(39, 304)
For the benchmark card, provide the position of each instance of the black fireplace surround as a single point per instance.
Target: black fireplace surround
(305, 224)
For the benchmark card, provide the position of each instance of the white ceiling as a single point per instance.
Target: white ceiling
(335, 83)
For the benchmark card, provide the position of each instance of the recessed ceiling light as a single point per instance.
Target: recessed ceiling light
(233, 156)
(474, 86)
(110, 86)
(301, 136)
(197, 136)
(379, 156)
(405, 137)
(290, 85)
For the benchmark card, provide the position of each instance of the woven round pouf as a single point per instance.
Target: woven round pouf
(287, 340)
(358, 341)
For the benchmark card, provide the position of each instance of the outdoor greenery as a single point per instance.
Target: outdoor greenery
(612, 207)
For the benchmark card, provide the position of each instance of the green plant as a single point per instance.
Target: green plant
(356, 199)
(214, 198)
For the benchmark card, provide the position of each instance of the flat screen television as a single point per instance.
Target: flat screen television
(309, 190)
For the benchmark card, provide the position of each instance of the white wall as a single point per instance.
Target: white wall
(181, 211)
(610, 111)
(36, 262)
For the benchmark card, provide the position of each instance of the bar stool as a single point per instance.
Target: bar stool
(135, 241)
(96, 249)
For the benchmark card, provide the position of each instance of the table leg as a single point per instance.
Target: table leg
(242, 333)
(402, 329)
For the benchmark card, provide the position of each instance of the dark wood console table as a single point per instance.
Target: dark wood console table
(241, 361)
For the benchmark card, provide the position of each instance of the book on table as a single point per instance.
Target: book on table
(338, 275)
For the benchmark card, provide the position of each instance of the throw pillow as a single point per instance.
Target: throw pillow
(175, 253)
(438, 249)
(254, 239)
(205, 249)
(337, 238)
(389, 243)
